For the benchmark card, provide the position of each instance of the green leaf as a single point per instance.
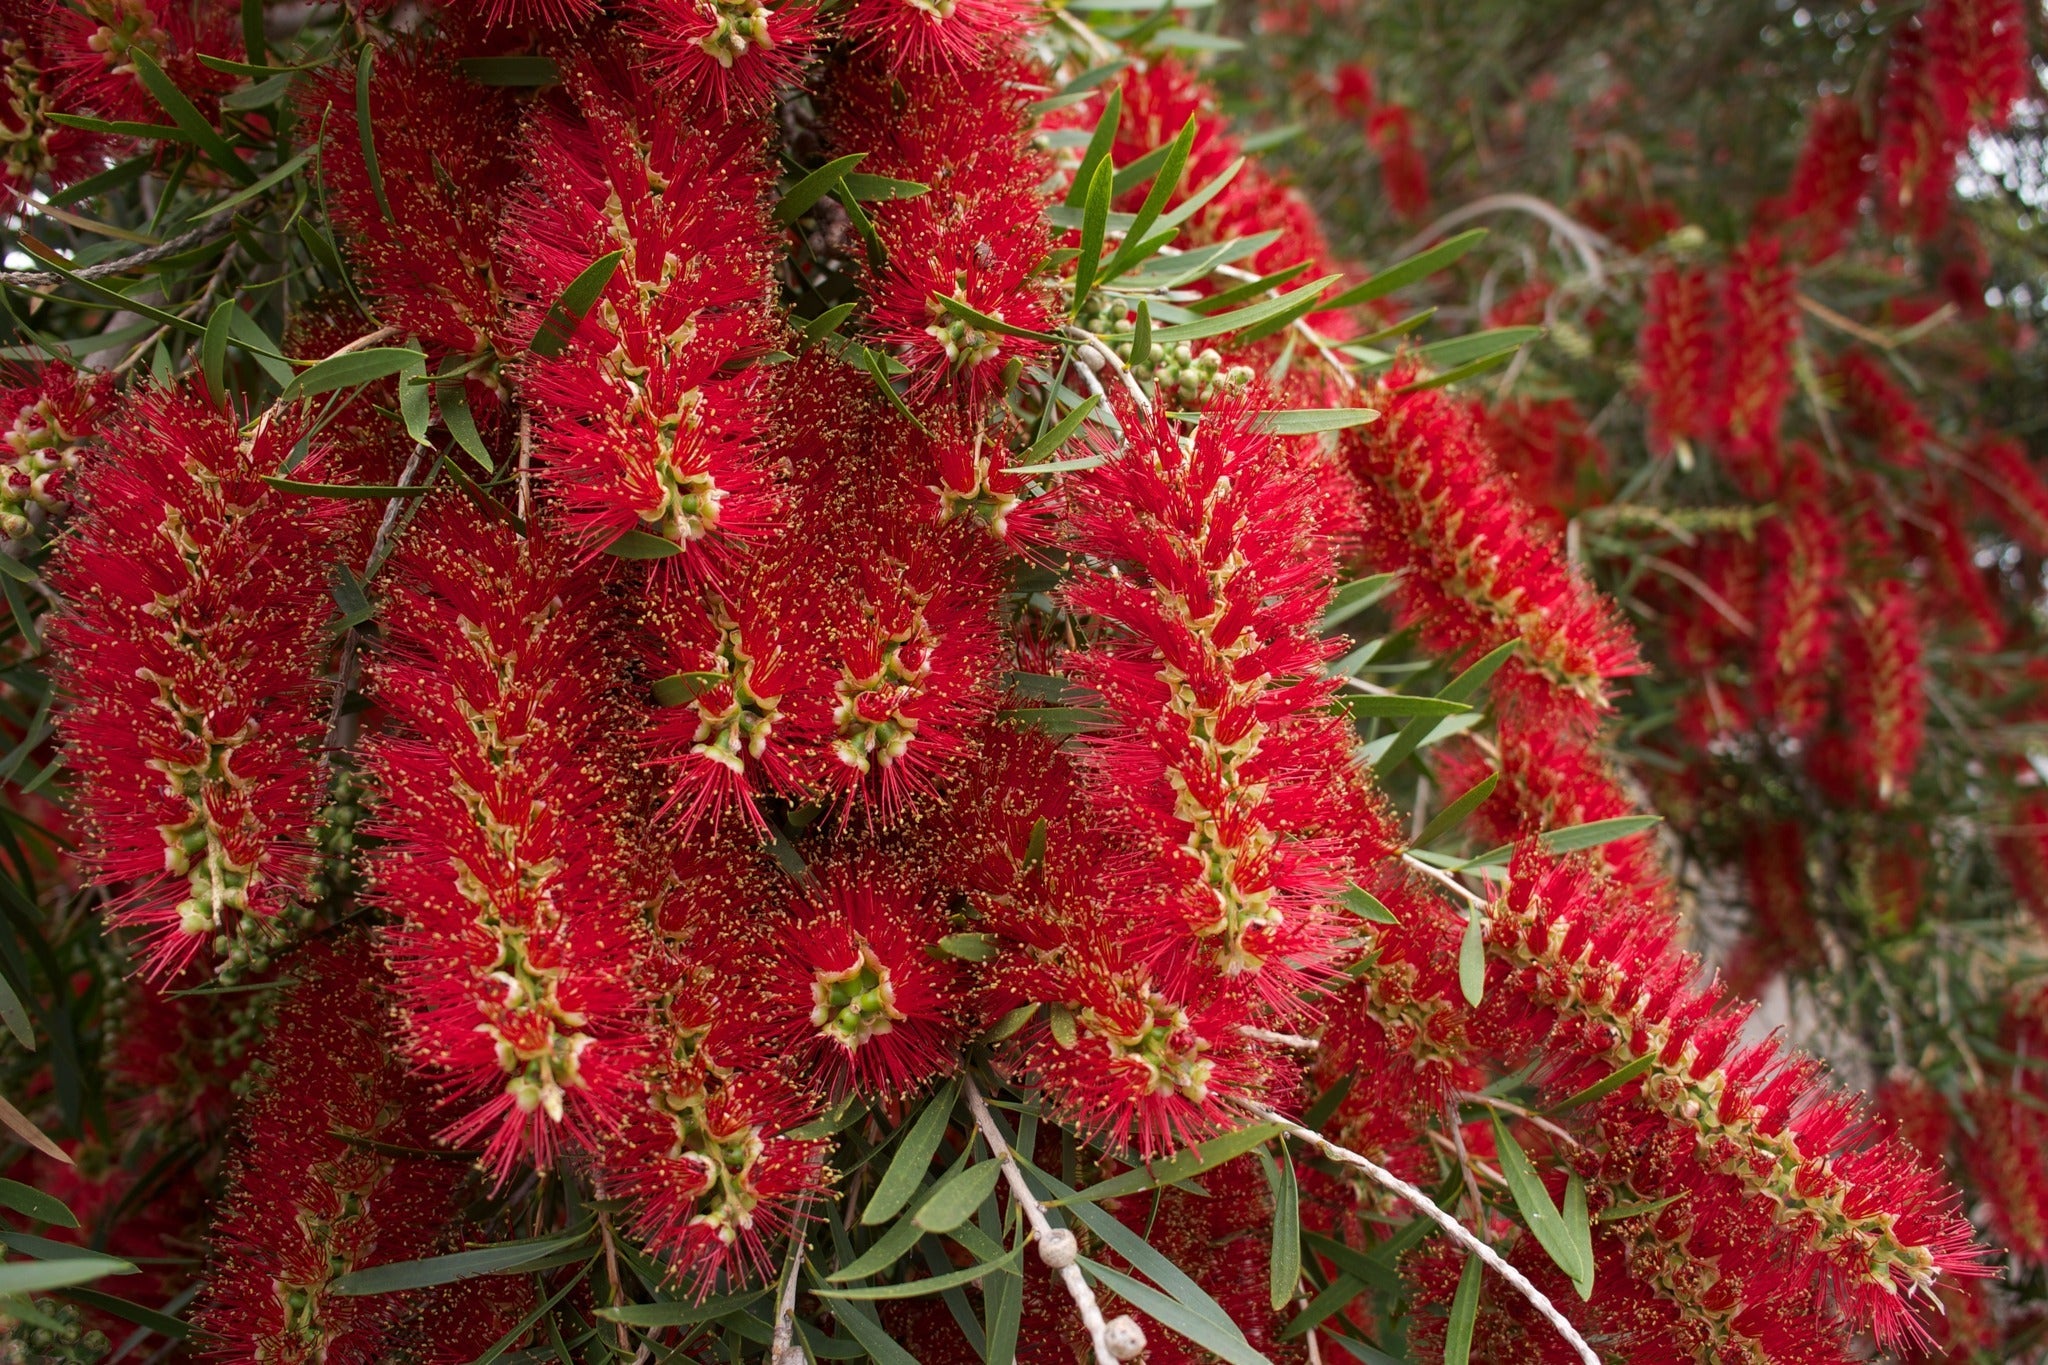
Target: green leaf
(827, 323)
(1094, 229)
(415, 403)
(366, 366)
(680, 1312)
(1141, 335)
(1175, 1316)
(346, 490)
(680, 689)
(958, 1196)
(163, 1324)
(1060, 1020)
(501, 1259)
(47, 257)
(1353, 598)
(1100, 143)
(872, 361)
(874, 1339)
(1451, 816)
(213, 349)
(640, 545)
(153, 132)
(1333, 1299)
(814, 187)
(1464, 1314)
(268, 182)
(1541, 1216)
(578, 298)
(1594, 833)
(1404, 273)
(1054, 439)
(1265, 139)
(1328, 1102)
(1371, 1267)
(365, 129)
(349, 596)
(1472, 958)
(35, 1204)
(1477, 346)
(1579, 1229)
(1283, 1263)
(186, 115)
(871, 189)
(1056, 720)
(907, 1167)
(1163, 186)
(33, 1277)
(1458, 689)
(961, 309)
(1365, 904)
(1310, 421)
(935, 1284)
(1364, 705)
(1184, 1164)
(452, 398)
(1242, 318)
(1606, 1085)
(524, 70)
(11, 1010)
(969, 947)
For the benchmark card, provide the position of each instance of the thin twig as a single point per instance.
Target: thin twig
(1426, 1206)
(525, 467)
(184, 241)
(1445, 879)
(785, 1308)
(1041, 1226)
(1584, 240)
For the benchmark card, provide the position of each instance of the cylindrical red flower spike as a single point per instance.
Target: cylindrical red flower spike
(1404, 176)
(502, 789)
(725, 55)
(193, 640)
(51, 414)
(938, 34)
(1797, 612)
(1675, 351)
(1886, 698)
(1760, 320)
(1833, 172)
(1923, 124)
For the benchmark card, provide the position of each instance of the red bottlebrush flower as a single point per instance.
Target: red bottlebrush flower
(1833, 172)
(724, 55)
(649, 415)
(1760, 322)
(32, 148)
(939, 34)
(446, 169)
(1881, 410)
(1479, 571)
(1404, 176)
(546, 13)
(1984, 44)
(1224, 750)
(91, 54)
(862, 997)
(2022, 843)
(1355, 95)
(708, 1160)
(501, 816)
(1675, 351)
(2019, 495)
(192, 640)
(1796, 615)
(1914, 1110)
(1922, 125)
(52, 414)
(1966, 598)
(2007, 1158)
(1781, 935)
(1773, 1172)
(311, 1196)
(978, 236)
(1885, 698)
(1549, 451)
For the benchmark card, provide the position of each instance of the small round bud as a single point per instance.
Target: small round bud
(1058, 1249)
(1123, 1336)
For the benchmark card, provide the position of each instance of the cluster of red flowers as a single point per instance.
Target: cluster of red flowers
(713, 753)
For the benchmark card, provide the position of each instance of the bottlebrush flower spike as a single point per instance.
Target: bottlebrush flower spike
(1760, 323)
(192, 645)
(1985, 46)
(649, 416)
(311, 1196)
(724, 55)
(545, 13)
(1833, 172)
(446, 169)
(1782, 934)
(1775, 1172)
(1404, 176)
(1675, 351)
(1215, 574)
(1797, 612)
(32, 148)
(936, 34)
(1547, 447)
(52, 413)
(2018, 494)
(862, 997)
(92, 64)
(1480, 572)
(977, 236)
(1881, 410)
(1886, 699)
(1922, 125)
(708, 1159)
(501, 820)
